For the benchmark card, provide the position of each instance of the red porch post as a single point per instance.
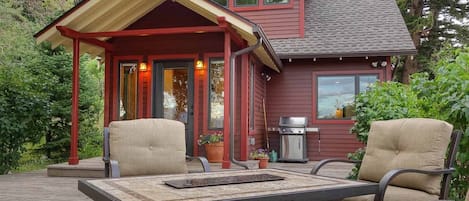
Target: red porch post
(107, 87)
(73, 160)
(226, 121)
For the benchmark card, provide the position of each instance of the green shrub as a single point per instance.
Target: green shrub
(442, 95)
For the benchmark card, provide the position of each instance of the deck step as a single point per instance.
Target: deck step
(88, 168)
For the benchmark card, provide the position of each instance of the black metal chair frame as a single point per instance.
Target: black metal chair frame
(387, 178)
(111, 167)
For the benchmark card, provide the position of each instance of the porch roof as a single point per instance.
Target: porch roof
(108, 16)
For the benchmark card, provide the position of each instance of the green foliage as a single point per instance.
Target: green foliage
(210, 138)
(432, 23)
(22, 118)
(35, 90)
(444, 96)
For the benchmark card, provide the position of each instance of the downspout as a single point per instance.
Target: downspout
(232, 95)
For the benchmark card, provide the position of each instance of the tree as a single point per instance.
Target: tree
(431, 23)
(35, 86)
(22, 107)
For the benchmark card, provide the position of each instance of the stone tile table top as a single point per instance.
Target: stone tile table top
(294, 186)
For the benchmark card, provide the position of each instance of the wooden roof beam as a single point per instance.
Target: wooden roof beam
(70, 33)
(222, 23)
(148, 32)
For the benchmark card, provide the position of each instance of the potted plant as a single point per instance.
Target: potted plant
(262, 155)
(213, 143)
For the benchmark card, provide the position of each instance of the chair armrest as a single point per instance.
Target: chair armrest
(115, 171)
(321, 163)
(202, 160)
(384, 182)
(106, 152)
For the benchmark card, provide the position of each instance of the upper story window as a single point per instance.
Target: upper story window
(246, 2)
(223, 3)
(271, 2)
(241, 5)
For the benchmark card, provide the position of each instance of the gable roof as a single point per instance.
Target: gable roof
(349, 28)
(116, 15)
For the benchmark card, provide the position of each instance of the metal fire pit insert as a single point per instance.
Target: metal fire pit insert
(216, 181)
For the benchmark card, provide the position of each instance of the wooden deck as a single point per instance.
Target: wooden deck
(36, 185)
(94, 168)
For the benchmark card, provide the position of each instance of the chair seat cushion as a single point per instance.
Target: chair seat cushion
(148, 146)
(394, 193)
(416, 143)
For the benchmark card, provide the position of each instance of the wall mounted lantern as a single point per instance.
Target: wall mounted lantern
(143, 66)
(199, 65)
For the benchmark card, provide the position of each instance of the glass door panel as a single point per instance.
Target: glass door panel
(175, 94)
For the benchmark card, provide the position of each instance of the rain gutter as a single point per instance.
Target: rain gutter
(232, 95)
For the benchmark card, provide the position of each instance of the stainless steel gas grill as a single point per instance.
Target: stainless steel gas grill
(292, 132)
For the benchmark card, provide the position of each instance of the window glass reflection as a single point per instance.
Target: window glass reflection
(336, 94)
(216, 93)
(128, 90)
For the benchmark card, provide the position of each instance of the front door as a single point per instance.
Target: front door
(173, 94)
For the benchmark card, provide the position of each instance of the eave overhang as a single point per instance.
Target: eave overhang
(349, 54)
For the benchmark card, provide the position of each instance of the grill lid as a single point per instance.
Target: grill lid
(298, 122)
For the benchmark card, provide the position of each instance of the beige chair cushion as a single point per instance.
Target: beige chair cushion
(398, 194)
(467, 195)
(406, 143)
(148, 146)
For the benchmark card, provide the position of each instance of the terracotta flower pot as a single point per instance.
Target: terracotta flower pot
(263, 163)
(214, 152)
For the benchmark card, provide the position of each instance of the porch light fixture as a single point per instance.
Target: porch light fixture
(199, 65)
(143, 66)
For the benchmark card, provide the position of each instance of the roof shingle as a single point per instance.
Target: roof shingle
(335, 28)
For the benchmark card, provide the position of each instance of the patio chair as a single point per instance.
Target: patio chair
(146, 147)
(407, 158)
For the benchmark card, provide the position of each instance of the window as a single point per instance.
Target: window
(336, 94)
(128, 90)
(273, 2)
(245, 5)
(216, 93)
(223, 3)
(251, 96)
(246, 2)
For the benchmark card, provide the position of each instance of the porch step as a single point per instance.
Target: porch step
(89, 168)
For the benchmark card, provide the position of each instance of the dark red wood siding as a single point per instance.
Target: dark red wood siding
(290, 94)
(258, 133)
(278, 23)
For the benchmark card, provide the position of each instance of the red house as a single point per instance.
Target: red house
(177, 59)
